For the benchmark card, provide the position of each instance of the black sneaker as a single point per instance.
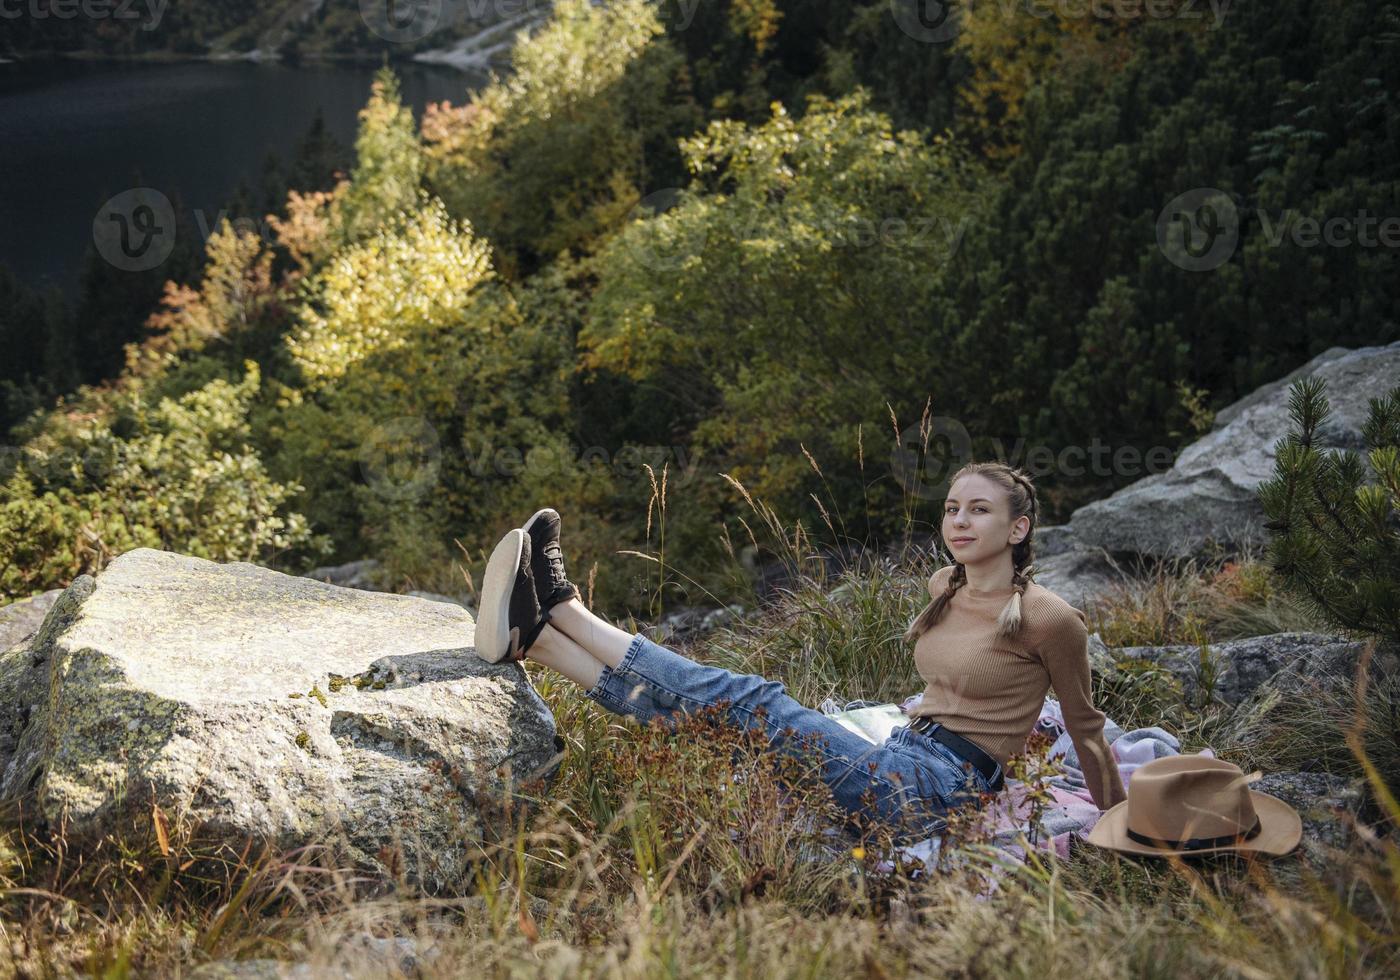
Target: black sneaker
(510, 617)
(552, 586)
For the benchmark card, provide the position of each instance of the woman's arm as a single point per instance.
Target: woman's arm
(1065, 651)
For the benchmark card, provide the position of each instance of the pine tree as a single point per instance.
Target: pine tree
(1338, 545)
(318, 156)
(389, 164)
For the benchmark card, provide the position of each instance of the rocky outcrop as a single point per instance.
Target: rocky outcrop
(20, 620)
(1082, 578)
(366, 574)
(267, 705)
(1329, 806)
(1233, 671)
(1210, 495)
(488, 43)
(692, 622)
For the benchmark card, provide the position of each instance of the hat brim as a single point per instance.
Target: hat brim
(1280, 830)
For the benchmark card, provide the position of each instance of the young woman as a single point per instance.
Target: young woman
(989, 645)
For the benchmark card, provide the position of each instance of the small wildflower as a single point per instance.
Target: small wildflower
(858, 853)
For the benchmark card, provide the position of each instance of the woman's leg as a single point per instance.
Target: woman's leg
(629, 674)
(604, 641)
(555, 649)
(645, 680)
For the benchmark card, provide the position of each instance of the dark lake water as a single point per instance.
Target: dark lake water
(74, 134)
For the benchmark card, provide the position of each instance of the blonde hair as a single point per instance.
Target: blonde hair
(1021, 496)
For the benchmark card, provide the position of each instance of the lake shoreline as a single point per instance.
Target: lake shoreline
(78, 131)
(256, 56)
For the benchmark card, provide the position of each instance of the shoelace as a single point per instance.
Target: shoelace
(555, 556)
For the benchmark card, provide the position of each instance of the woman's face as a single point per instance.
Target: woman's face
(977, 522)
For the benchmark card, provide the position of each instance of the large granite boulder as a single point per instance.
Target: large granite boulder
(1210, 495)
(1084, 578)
(267, 705)
(1234, 670)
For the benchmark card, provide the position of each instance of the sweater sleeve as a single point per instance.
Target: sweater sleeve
(1065, 652)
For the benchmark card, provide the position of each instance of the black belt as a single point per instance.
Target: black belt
(984, 763)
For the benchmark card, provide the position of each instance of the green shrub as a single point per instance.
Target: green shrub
(1337, 544)
(184, 479)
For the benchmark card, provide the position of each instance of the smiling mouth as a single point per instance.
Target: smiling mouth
(960, 540)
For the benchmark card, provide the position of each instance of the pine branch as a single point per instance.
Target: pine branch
(1340, 537)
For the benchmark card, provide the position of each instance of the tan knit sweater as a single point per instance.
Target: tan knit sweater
(990, 689)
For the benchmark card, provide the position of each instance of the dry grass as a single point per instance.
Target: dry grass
(1191, 600)
(698, 852)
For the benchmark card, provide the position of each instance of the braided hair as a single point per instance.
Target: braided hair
(1022, 500)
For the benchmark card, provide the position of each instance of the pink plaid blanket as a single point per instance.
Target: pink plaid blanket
(1064, 809)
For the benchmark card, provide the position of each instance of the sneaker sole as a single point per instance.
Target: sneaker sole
(493, 633)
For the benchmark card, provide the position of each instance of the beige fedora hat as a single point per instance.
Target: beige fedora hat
(1190, 805)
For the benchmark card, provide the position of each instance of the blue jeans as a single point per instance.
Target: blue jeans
(914, 780)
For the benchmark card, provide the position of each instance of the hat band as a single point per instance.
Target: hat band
(1197, 843)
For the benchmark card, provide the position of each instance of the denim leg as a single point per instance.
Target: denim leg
(910, 788)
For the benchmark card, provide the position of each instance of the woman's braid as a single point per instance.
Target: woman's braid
(1023, 554)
